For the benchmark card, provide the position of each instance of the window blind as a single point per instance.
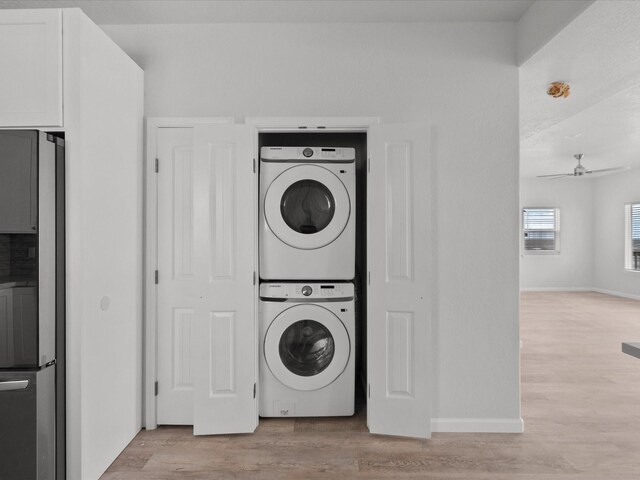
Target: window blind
(635, 227)
(540, 228)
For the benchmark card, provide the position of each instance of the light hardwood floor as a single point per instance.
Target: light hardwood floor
(580, 404)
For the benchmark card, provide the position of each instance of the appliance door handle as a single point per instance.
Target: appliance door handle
(10, 385)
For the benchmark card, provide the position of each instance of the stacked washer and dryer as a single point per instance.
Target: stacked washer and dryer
(307, 265)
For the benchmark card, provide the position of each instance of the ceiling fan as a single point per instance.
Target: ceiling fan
(580, 170)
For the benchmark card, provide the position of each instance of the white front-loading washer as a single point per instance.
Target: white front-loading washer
(307, 343)
(307, 213)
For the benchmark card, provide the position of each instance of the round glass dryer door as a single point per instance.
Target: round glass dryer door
(307, 207)
(307, 347)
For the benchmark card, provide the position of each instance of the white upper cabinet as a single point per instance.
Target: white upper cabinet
(31, 58)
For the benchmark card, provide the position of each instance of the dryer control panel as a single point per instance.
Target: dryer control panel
(306, 291)
(308, 154)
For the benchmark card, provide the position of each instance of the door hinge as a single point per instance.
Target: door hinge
(368, 165)
(254, 390)
(254, 277)
(156, 276)
(254, 165)
(155, 388)
(157, 165)
(368, 278)
(369, 390)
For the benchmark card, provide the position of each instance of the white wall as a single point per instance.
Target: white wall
(610, 195)
(103, 124)
(572, 268)
(592, 234)
(543, 21)
(463, 79)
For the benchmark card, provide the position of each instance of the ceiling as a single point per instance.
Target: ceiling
(598, 55)
(115, 12)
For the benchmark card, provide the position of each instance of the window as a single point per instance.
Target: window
(540, 228)
(632, 236)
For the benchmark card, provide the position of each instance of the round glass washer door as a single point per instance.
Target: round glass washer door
(307, 207)
(307, 347)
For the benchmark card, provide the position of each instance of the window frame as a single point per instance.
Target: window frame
(628, 237)
(556, 230)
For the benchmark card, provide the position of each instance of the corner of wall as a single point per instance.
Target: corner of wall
(543, 21)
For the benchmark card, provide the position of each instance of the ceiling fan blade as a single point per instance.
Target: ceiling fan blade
(613, 169)
(556, 175)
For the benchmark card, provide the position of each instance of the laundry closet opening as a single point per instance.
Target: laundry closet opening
(218, 309)
(305, 362)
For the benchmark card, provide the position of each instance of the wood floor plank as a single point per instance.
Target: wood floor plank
(580, 404)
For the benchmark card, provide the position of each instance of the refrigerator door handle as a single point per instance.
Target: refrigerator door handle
(9, 385)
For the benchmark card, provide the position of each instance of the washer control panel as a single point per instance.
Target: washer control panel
(309, 154)
(306, 291)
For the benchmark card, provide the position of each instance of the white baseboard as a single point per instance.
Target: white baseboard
(581, 289)
(556, 289)
(616, 294)
(477, 425)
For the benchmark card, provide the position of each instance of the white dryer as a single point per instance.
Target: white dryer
(307, 343)
(307, 213)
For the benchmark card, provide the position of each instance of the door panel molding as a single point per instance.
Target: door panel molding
(222, 200)
(181, 355)
(182, 165)
(222, 340)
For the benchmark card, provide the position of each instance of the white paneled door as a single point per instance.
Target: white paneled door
(177, 284)
(205, 294)
(224, 355)
(398, 310)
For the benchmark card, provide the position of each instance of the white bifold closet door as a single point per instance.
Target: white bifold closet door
(398, 260)
(176, 289)
(224, 324)
(205, 293)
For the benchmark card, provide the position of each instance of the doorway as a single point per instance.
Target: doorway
(358, 141)
(212, 197)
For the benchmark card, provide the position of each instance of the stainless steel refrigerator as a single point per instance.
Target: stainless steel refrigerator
(31, 305)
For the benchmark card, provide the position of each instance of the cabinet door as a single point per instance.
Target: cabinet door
(31, 59)
(398, 259)
(18, 181)
(224, 326)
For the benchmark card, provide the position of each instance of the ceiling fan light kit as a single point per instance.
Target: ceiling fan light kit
(559, 89)
(580, 170)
